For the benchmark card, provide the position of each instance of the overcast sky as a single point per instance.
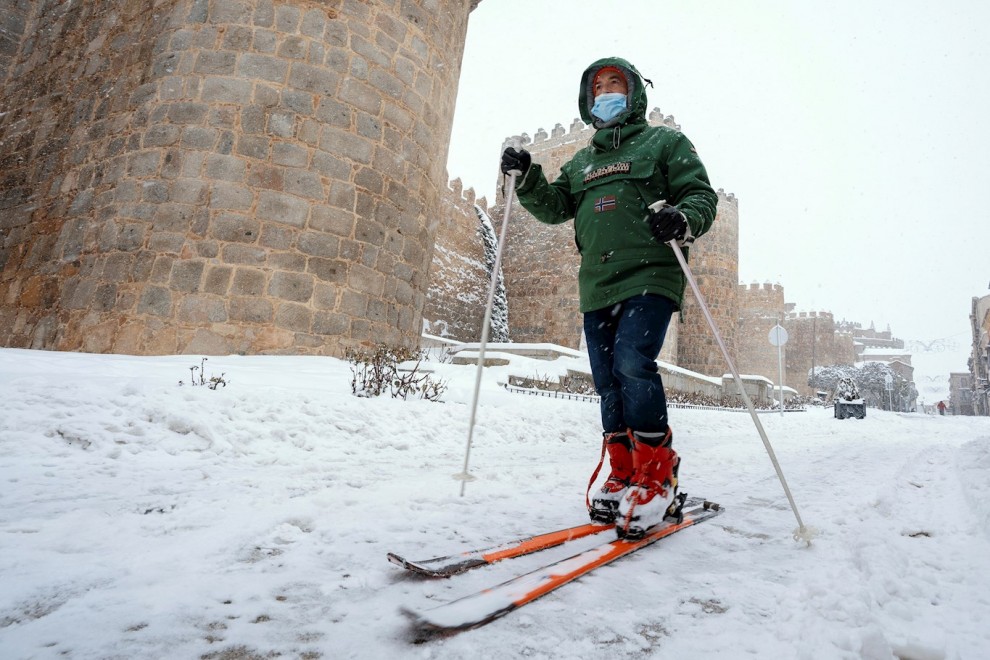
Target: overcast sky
(854, 133)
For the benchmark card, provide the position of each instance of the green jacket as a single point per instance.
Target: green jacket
(607, 188)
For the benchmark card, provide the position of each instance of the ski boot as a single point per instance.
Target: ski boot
(652, 494)
(605, 503)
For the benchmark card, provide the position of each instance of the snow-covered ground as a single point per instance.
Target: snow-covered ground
(141, 519)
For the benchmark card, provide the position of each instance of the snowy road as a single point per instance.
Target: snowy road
(140, 519)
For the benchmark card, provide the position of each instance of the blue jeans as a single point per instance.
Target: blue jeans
(624, 341)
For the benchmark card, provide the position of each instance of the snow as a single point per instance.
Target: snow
(144, 519)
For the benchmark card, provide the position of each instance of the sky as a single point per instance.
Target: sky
(140, 518)
(854, 134)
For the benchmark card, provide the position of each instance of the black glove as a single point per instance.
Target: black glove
(668, 224)
(518, 160)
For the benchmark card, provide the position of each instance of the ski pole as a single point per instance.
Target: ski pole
(464, 476)
(802, 532)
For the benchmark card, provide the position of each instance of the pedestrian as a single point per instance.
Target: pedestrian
(941, 407)
(629, 281)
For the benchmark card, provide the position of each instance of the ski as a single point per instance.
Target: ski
(485, 606)
(464, 561)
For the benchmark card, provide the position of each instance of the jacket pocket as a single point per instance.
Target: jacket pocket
(641, 170)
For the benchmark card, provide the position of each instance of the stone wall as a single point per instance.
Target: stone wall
(761, 307)
(714, 261)
(811, 340)
(459, 280)
(14, 17)
(255, 176)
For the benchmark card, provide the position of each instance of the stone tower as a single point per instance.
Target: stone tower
(761, 307)
(197, 176)
(715, 265)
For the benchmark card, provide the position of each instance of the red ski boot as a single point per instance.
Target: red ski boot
(653, 487)
(605, 503)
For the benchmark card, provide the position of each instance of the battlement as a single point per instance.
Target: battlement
(810, 315)
(465, 198)
(542, 140)
(766, 286)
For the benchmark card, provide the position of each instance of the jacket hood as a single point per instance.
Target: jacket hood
(635, 99)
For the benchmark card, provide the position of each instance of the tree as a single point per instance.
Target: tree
(500, 306)
(870, 379)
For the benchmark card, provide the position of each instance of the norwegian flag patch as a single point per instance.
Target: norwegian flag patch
(606, 203)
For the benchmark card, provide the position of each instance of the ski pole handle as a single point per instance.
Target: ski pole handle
(516, 144)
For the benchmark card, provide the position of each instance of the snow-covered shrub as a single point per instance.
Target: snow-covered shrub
(375, 372)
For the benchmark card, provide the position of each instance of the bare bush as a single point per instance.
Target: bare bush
(375, 372)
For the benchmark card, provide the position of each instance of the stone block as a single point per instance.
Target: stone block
(282, 124)
(144, 164)
(218, 280)
(298, 102)
(225, 168)
(226, 90)
(249, 282)
(166, 242)
(295, 317)
(365, 280)
(297, 287)
(155, 300)
(361, 96)
(265, 41)
(253, 146)
(304, 184)
(250, 310)
(202, 309)
(342, 144)
(265, 176)
(278, 237)
(331, 323)
(162, 135)
(231, 227)
(279, 207)
(244, 254)
(231, 196)
(293, 48)
(264, 67)
(288, 261)
(313, 79)
(289, 155)
(187, 112)
(186, 276)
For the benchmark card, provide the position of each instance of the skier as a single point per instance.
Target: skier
(630, 281)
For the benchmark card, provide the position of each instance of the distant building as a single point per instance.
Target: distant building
(961, 393)
(979, 360)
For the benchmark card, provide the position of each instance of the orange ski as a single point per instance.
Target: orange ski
(487, 605)
(464, 561)
(458, 563)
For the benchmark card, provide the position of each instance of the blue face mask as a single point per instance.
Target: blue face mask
(609, 106)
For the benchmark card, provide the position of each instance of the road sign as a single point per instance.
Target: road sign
(777, 336)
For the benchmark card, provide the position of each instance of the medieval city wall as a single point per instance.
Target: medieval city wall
(459, 280)
(814, 340)
(761, 307)
(14, 19)
(714, 261)
(255, 176)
